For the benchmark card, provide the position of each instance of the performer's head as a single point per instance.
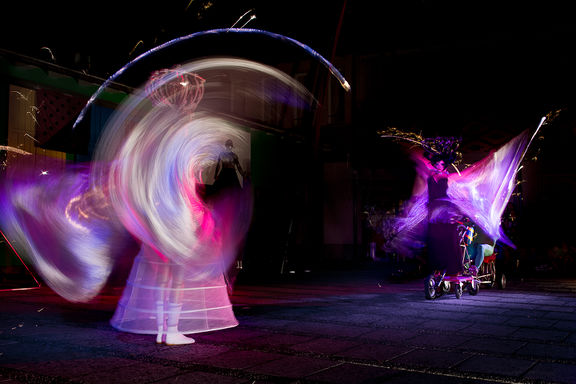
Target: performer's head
(229, 144)
(442, 151)
(440, 165)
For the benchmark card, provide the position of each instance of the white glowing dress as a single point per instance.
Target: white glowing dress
(159, 288)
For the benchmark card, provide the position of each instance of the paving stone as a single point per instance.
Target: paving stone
(190, 353)
(434, 378)
(430, 358)
(134, 344)
(525, 313)
(24, 354)
(486, 318)
(530, 322)
(240, 359)
(327, 329)
(565, 325)
(496, 365)
(74, 368)
(202, 378)
(549, 351)
(293, 366)
(5, 379)
(492, 345)
(266, 323)
(325, 346)
(361, 319)
(445, 325)
(557, 373)
(232, 335)
(439, 340)
(540, 334)
(375, 352)
(278, 340)
(138, 373)
(352, 374)
(556, 308)
(399, 321)
(567, 316)
(482, 329)
(571, 338)
(316, 330)
(389, 335)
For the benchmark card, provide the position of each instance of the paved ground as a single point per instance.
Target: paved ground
(335, 327)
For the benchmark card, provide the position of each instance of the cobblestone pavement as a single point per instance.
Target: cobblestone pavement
(334, 327)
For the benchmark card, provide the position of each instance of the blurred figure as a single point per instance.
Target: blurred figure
(444, 251)
(227, 191)
(176, 285)
(227, 170)
(439, 198)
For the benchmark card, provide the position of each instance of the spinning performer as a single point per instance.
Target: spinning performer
(440, 198)
(171, 295)
(228, 186)
(443, 215)
(145, 183)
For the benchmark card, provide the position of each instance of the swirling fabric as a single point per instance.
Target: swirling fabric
(480, 192)
(146, 181)
(64, 227)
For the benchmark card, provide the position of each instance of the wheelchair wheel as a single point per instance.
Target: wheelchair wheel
(501, 281)
(474, 287)
(458, 290)
(430, 288)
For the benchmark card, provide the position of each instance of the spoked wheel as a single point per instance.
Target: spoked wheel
(445, 287)
(474, 287)
(501, 281)
(430, 288)
(458, 290)
(488, 273)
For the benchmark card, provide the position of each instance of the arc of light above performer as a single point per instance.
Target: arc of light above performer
(343, 82)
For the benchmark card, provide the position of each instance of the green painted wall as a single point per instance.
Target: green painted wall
(34, 75)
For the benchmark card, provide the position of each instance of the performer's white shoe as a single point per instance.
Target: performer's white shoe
(178, 339)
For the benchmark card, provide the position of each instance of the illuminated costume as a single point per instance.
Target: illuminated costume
(442, 240)
(74, 221)
(145, 184)
(176, 285)
(170, 299)
(479, 193)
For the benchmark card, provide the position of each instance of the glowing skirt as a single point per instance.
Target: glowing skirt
(159, 289)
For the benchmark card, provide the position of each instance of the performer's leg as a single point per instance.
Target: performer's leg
(173, 336)
(162, 278)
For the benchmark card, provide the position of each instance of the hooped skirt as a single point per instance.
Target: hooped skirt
(158, 289)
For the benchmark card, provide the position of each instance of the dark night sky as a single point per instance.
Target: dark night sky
(439, 59)
(437, 66)
(440, 64)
